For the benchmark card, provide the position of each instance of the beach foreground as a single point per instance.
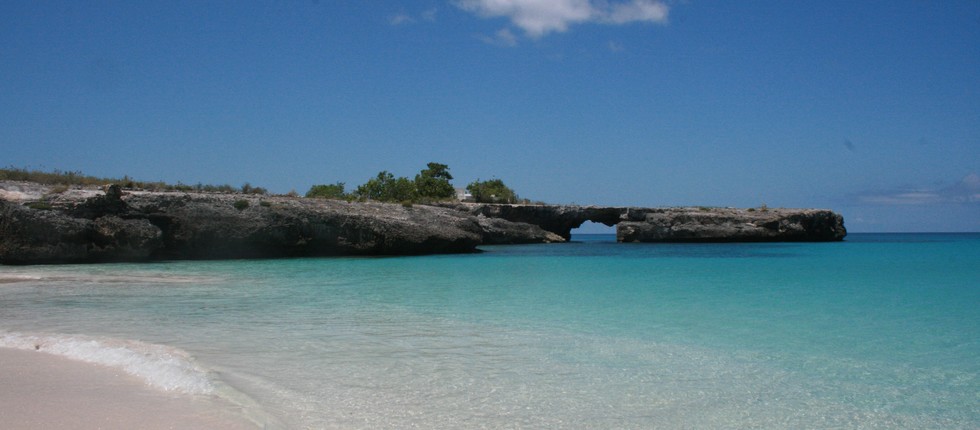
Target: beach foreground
(44, 391)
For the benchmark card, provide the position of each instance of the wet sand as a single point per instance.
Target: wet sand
(43, 391)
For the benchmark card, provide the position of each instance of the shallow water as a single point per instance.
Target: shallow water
(880, 331)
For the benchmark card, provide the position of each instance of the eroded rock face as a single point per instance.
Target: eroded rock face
(77, 226)
(676, 224)
(558, 219)
(731, 225)
(153, 226)
(498, 231)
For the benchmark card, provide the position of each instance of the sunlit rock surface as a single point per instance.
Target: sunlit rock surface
(43, 224)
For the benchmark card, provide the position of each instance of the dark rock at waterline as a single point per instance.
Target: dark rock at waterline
(731, 225)
(29, 236)
(558, 219)
(699, 224)
(498, 231)
(153, 226)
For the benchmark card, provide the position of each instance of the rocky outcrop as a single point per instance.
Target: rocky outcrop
(40, 225)
(699, 224)
(498, 231)
(730, 225)
(153, 226)
(43, 235)
(558, 219)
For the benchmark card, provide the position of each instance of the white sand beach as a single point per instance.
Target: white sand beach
(44, 391)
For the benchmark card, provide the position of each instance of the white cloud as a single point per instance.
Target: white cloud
(540, 17)
(637, 11)
(503, 37)
(400, 19)
(902, 198)
(535, 17)
(967, 190)
(430, 15)
(404, 18)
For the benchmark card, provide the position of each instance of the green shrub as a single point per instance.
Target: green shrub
(491, 191)
(41, 206)
(433, 183)
(327, 191)
(386, 188)
(51, 178)
(241, 204)
(69, 178)
(249, 189)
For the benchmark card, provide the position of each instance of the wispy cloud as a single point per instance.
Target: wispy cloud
(400, 19)
(503, 37)
(403, 18)
(540, 17)
(636, 11)
(967, 190)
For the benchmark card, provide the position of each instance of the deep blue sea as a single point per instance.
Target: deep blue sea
(881, 331)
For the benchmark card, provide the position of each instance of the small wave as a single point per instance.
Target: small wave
(8, 279)
(162, 367)
(107, 279)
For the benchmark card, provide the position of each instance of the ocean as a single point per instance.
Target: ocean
(881, 331)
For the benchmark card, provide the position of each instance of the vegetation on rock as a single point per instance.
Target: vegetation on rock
(430, 184)
(491, 191)
(77, 178)
(387, 188)
(433, 182)
(327, 191)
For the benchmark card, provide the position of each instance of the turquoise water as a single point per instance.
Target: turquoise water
(880, 331)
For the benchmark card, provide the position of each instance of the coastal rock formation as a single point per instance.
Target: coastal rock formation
(558, 219)
(699, 224)
(41, 224)
(730, 225)
(151, 226)
(44, 235)
(498, 231)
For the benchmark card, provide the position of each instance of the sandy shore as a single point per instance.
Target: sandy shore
(43, 391)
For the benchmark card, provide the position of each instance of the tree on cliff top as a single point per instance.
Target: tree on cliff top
(386, 188)
(433, 182)
(327, 191)
(491, 191)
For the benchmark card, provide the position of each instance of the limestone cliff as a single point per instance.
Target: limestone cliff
(40, 224)
(151, 226)
(730, 225)
(677, 224)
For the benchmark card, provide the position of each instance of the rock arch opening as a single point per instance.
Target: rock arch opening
(593, 228)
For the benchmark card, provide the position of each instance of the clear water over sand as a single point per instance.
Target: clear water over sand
(880, 331)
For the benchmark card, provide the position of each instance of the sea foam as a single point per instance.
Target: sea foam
(162, 367)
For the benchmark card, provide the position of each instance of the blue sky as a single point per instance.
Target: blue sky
(868, 108)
